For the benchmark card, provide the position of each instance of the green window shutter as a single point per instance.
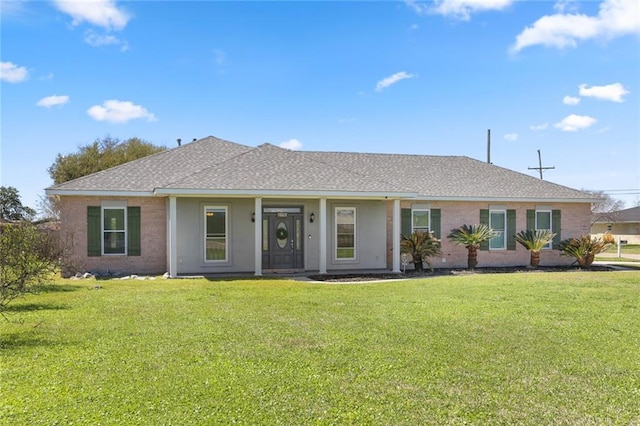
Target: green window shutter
(484, 220)
(531, 219)
(555, 228)
(133, 231)
(405, 222)
(511, 229)
(435, 222)
(94, 245)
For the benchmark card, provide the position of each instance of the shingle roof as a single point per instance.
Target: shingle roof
(158, 170)
(214, 164)
(630, 215)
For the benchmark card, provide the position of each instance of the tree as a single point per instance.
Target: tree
(420, 245)
(471, 237)
(11, 208)
(534, 241)
(100, 155)
(28, 256)
(585, 248)
(605, 210)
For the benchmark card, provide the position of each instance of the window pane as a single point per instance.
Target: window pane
(421, 220)
(113, 219)
(497, 221)
(497, 242)
(345, 233)
(114, 242)
(543, 220)
(215, 238)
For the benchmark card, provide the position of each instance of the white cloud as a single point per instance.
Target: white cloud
(11, 73)
(615, 18)
(54, 100)
(611, 92)
(115, 111)
(511, 136)
(292, 144)
(572, 123)
(103, 13)
(97, 40)
(462, 9)
(538, 127)
(459, 9)
(570, 100)
(563, 6)
(392, 79)
(346, 120)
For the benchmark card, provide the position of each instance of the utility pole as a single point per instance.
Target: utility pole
(540, 168)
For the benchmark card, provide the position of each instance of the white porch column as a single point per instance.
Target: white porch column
(258, 237)
(172, 242)
(323, 236)
(396, 236)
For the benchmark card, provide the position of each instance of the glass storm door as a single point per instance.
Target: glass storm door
(284, 241)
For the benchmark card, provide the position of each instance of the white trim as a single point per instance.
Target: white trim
(162, 192)
(257, 241)
(504, 231)
(282, 194)
(508, 200)
(420, 209)
(323, 236)
(173, 237)
(335, 234)
(546, 209)
(395, 236)
(91, 193)
(125, 230)
(226, 234)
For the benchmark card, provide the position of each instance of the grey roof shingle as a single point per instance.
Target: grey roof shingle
(215, 164)
(158, 170)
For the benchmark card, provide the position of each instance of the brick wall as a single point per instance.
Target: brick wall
(153, 232)
(575, 221)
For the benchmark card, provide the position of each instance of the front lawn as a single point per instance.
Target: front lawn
(534, 348)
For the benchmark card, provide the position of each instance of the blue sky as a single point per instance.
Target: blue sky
(395, 77)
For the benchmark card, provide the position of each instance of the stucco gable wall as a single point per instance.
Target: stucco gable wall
(73, 232)
(575, 221)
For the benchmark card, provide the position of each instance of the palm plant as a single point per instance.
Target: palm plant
(471, 237)
(534, 241)
(420, 245)
(584, 249)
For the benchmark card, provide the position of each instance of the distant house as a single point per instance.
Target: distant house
(214, 206)
(623, 225)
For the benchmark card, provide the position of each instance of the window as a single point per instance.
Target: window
(114, 230)
(544, 222)
(345, 237)
(420, 220)
(498, 222)
(215, 240)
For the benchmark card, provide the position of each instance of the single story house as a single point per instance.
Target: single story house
(213, 206)
(622, 224)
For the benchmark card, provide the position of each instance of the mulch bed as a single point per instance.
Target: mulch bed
(448, 271)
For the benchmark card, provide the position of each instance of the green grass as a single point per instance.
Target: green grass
(534, 348)
(626, 249)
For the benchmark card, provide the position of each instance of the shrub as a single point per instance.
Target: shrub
(420, 245)
(27, 257)
(534, 241)
(471, 237)
(584, 249)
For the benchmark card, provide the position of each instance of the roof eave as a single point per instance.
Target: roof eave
(508, 199)
(98, 193)
(282, 194)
